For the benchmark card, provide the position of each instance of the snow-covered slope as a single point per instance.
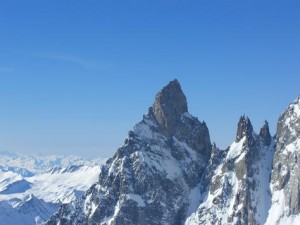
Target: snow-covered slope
(28, 198)
(239, 191)
(28, 211)
(59, 185)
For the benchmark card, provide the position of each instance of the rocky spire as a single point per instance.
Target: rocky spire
(297, 100)
(265, 135)
(170, 103)
(244, 128)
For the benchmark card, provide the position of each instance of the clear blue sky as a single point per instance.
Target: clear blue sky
(76, 75)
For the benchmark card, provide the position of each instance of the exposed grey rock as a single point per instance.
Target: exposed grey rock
(265, 135)
(286, 166)
(237, 189)
(245, 129)
(150, 179)
(170, 103)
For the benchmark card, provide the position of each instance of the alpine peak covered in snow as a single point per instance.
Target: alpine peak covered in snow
(155, 177)
(168, 172)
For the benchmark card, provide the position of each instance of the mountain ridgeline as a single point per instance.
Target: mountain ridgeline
(169, 173)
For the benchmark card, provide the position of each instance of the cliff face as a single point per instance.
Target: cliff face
(285, 183)
(239, 191)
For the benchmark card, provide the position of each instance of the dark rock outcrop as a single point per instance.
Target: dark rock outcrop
(169, 105)
(245, 129)
(265, 135)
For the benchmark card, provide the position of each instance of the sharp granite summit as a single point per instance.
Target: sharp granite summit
(169, 173)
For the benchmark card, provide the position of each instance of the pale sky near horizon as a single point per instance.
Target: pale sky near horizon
(76, 76)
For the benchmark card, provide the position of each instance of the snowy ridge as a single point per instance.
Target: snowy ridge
(235, 188)
(28, 198)
(285, 178)
(155, 159)
(291, 118)
(29, 211)
(23, 172)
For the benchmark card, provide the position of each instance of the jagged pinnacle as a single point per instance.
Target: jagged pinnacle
(297, 101)
(265, 134)
(170, 103)
(244, 128)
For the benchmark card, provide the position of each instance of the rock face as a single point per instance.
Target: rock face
(155, 177)
(265, 134)
(239, 191)
(170, 103)
(244, 129)
(168, 173)
(285, 182)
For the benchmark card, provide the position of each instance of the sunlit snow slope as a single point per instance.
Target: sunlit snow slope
(31, 194)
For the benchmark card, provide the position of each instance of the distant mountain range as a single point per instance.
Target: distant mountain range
(32, 188)
(38, 164)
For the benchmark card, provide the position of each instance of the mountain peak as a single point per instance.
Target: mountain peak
(170, 103)
(264, 134)
(297, 101)
(294, 107)
(244, 128)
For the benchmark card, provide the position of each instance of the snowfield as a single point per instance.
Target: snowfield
(31, 194)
